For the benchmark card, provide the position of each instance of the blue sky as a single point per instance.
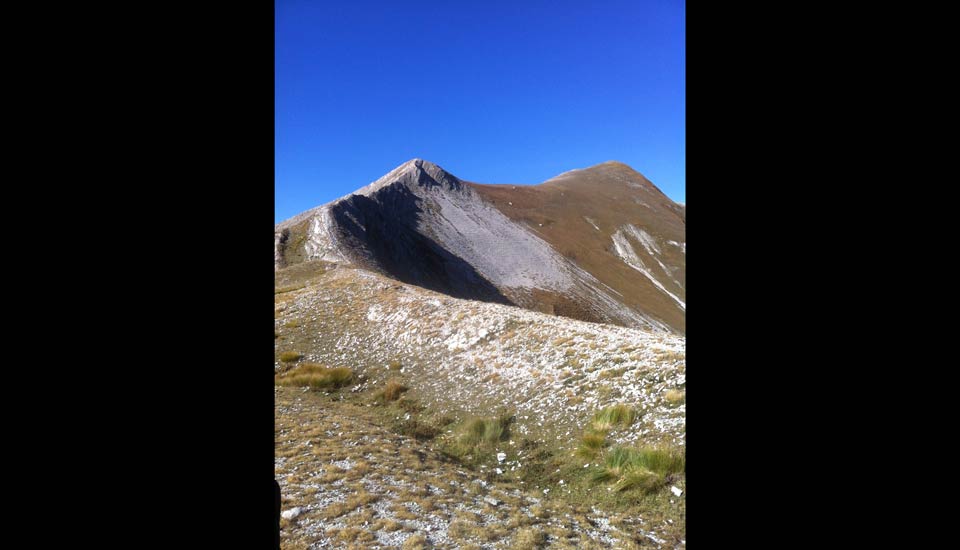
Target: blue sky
(493, 92)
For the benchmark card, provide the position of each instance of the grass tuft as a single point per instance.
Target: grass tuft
(644, 469)
(675, 397)
(612, 416)
(639, 478)
(317, 377)
(480, 435)
(338, 509)
(290, 356)
(662, 461)
(528, 539)
(393, 390)
(591, 444)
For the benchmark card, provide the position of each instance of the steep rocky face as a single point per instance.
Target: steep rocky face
(423, 226)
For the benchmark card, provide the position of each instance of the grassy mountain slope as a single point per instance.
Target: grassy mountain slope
(467, 424)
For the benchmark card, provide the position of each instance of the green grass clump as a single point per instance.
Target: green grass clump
(591, 444)
(617, 462)
(482, 434)
(645, 469)
(479, 431)
(612, 416)
(317, 377)
(662, 460)
(641, 479)
(290, 356)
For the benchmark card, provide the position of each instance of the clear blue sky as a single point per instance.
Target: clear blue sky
(493, 92)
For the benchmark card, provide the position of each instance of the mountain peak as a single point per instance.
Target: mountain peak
(415, 171)
(414, 164)
(615, 164)
(604, 170)
(417, 164)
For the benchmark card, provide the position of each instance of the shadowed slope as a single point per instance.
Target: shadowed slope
(384, 226)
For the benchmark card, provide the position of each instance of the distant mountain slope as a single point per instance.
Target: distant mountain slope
(601, 244)
(614, 224)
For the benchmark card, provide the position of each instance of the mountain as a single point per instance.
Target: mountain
(601, 244)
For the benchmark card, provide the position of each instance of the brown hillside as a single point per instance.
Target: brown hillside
(565, 210)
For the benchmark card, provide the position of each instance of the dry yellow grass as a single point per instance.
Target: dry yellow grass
(665, 356)
(393, 390)
(359, 470)
(528, 539)
(675, 397)
(390, 526)
(426, 503)
(402, 513)
(290, 356)
(338, 509)
(318, 377)
(613, 373)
